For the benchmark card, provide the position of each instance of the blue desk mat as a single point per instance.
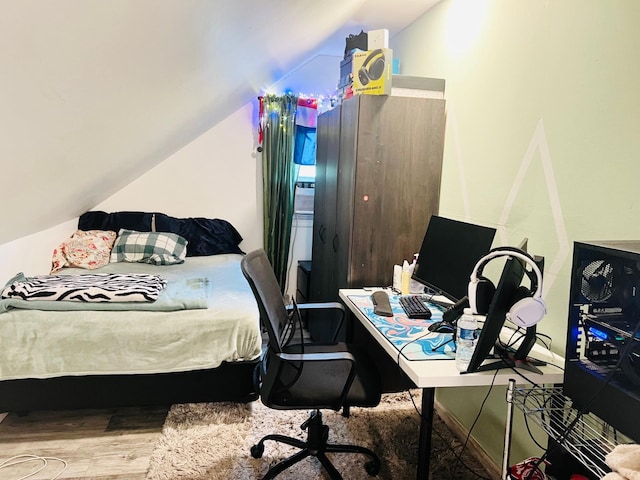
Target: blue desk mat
(409, 335)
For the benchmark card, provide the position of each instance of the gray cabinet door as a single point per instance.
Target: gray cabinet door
(325, 205)
(396, 188)
(379, 163)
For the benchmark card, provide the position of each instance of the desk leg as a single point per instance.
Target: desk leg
(426, 429)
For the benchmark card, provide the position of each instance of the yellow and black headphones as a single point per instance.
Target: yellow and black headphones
(528, 307)
(373, 67)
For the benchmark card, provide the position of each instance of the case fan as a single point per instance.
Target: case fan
(597, 281)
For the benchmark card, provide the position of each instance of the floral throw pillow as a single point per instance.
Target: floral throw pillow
(85, 249)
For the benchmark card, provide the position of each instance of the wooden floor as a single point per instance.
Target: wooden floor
(96, 444)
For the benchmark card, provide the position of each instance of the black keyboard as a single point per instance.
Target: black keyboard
(414, 306)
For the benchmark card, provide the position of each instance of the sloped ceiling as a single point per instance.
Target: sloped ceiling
(94, 93)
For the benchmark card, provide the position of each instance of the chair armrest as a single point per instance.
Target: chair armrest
(317, 357)
(325, 306)
(320, 306)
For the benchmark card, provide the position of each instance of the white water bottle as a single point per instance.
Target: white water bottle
(414, 285)
(466, 337)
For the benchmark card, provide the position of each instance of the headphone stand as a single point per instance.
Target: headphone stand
(507, 357)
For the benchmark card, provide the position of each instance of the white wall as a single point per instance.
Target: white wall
(95, 93)
(32, 254)
(215, 176)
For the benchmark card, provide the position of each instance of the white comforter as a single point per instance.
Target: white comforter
(45, 344)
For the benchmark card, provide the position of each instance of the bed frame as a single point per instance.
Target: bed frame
(231, 382)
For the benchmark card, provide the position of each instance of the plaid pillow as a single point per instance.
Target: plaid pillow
(149, 247)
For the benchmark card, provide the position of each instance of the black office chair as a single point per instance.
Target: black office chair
(307, 375)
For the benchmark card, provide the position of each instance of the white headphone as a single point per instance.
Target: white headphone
(525, 312)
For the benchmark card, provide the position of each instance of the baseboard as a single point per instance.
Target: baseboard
(2, 415)
(473, 447)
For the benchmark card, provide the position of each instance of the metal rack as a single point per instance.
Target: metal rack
(585, 436)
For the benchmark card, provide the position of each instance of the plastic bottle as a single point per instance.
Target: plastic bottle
(414, 285)
(397, 277)
(406, 277)
(466, 338)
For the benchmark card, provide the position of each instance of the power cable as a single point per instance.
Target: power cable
(18, 459)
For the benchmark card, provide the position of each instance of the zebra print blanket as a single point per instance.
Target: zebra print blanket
(99, 287)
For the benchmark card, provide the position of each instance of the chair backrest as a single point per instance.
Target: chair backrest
(273, 315)
(289, 378)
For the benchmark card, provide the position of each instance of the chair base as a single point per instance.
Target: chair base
(316, 445)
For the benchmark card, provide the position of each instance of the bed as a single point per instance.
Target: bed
(198, 340)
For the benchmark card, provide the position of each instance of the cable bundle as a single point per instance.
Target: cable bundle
(18, 459)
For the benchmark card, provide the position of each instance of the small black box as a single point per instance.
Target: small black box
(346, 68)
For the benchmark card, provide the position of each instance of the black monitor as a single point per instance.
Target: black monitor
(504, 297)
(449, 252)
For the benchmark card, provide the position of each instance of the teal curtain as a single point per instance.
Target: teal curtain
(279, 175)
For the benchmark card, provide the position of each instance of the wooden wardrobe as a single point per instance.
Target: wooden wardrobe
(378, 169)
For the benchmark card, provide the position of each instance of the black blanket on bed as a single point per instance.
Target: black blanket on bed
(205, 236)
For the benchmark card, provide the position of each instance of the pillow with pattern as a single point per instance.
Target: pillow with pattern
(85, 249)
(155, 248)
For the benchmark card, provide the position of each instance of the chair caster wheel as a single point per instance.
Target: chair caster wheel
(257, 450)
(372, 468)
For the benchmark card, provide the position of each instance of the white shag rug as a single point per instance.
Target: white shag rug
(211, 441)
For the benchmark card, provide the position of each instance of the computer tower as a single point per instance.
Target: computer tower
(602, 370)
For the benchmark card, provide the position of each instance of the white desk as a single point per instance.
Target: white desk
(429, 374)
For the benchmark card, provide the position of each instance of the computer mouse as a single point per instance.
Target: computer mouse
(441, 327)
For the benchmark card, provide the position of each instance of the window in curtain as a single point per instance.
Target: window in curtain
(306, 123)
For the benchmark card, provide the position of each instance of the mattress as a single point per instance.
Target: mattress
(47, 344)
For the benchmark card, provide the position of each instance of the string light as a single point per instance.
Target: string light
(320, 103)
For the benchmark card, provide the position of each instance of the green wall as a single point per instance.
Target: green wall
(542, 140)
